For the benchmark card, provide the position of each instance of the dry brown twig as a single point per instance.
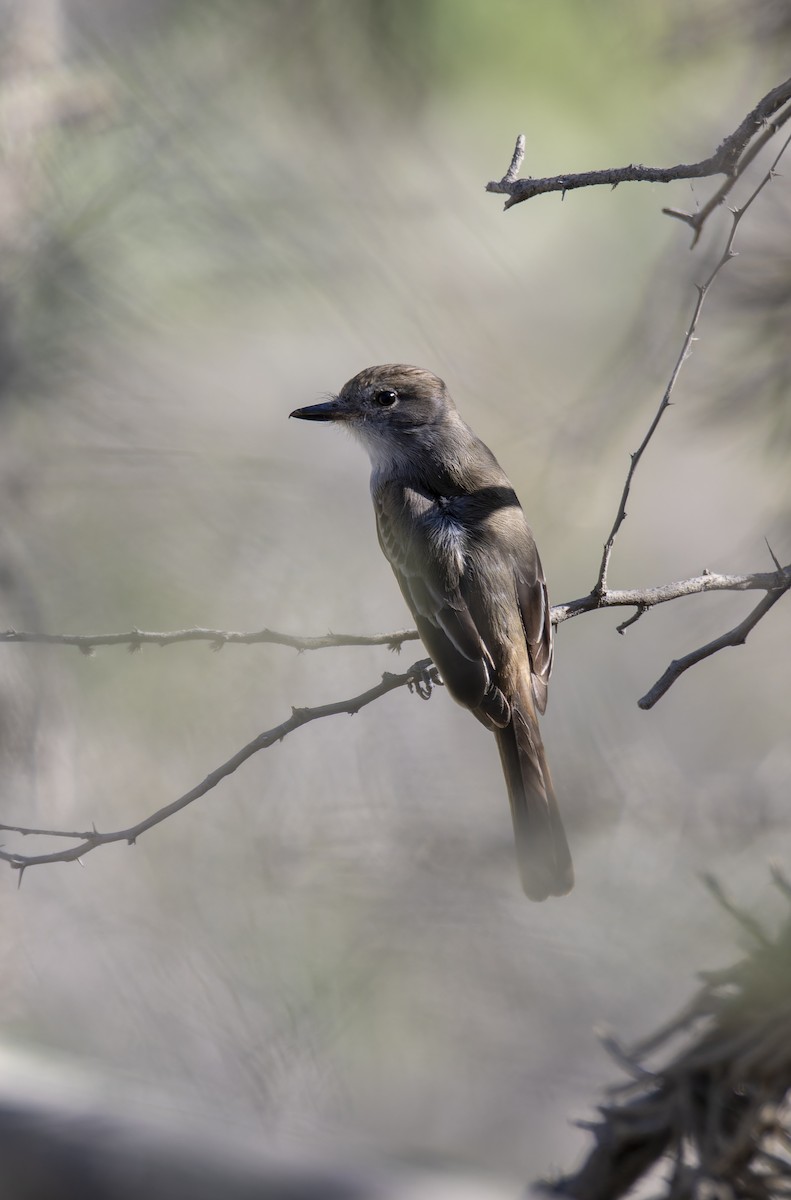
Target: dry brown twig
(686, 347)
(731, 158)
(717, 1113)
(135, 639)
(737, 635)
(421, 676)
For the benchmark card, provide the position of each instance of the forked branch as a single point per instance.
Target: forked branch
(731, 158)
(686, 346)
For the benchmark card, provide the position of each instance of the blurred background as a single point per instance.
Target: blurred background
(211, 213)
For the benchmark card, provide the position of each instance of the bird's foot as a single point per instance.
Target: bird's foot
(425, 679)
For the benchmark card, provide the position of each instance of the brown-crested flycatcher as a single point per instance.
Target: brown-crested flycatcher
(455, 535)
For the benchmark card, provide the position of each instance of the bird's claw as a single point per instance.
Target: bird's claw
(425, 679)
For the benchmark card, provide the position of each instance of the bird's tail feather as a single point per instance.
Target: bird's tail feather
(541, 847)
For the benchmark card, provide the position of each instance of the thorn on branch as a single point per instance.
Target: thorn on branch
(687, 218)
(774, 557)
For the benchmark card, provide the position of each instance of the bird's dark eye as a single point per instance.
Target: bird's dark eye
(386, 398)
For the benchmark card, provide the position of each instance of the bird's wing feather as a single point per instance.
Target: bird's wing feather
(533, 600)
(429, 569)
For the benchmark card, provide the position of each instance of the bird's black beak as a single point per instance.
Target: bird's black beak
(330, 410)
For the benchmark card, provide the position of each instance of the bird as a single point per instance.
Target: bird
(454, 533)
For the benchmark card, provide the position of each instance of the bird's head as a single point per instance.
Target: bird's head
(391, 400)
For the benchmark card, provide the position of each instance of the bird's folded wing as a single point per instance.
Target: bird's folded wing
(533, 600)
(429, 568)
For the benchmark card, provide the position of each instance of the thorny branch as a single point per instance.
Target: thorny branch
(734, 637)
(717, 1113)
(686, 346)
(777, 581)
(730, 158)
(420, 678)
(137, 638)
(639, 598)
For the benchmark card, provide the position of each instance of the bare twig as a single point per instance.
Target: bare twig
(734, 637)
(645, 598)
(419, 677)
(698, 219)
(730, 158)
(136, 638)
(686, 346)
(641, 598)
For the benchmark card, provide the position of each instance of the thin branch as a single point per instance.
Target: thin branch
(698, 219)
(645, 598)
(420, 678)
(728, 159)
(686, 346)
(734, 637)
(28, 831)
(136, 638)
(639, 612)
(774, 583)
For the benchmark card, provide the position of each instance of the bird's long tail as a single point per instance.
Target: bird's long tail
(541, 847)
